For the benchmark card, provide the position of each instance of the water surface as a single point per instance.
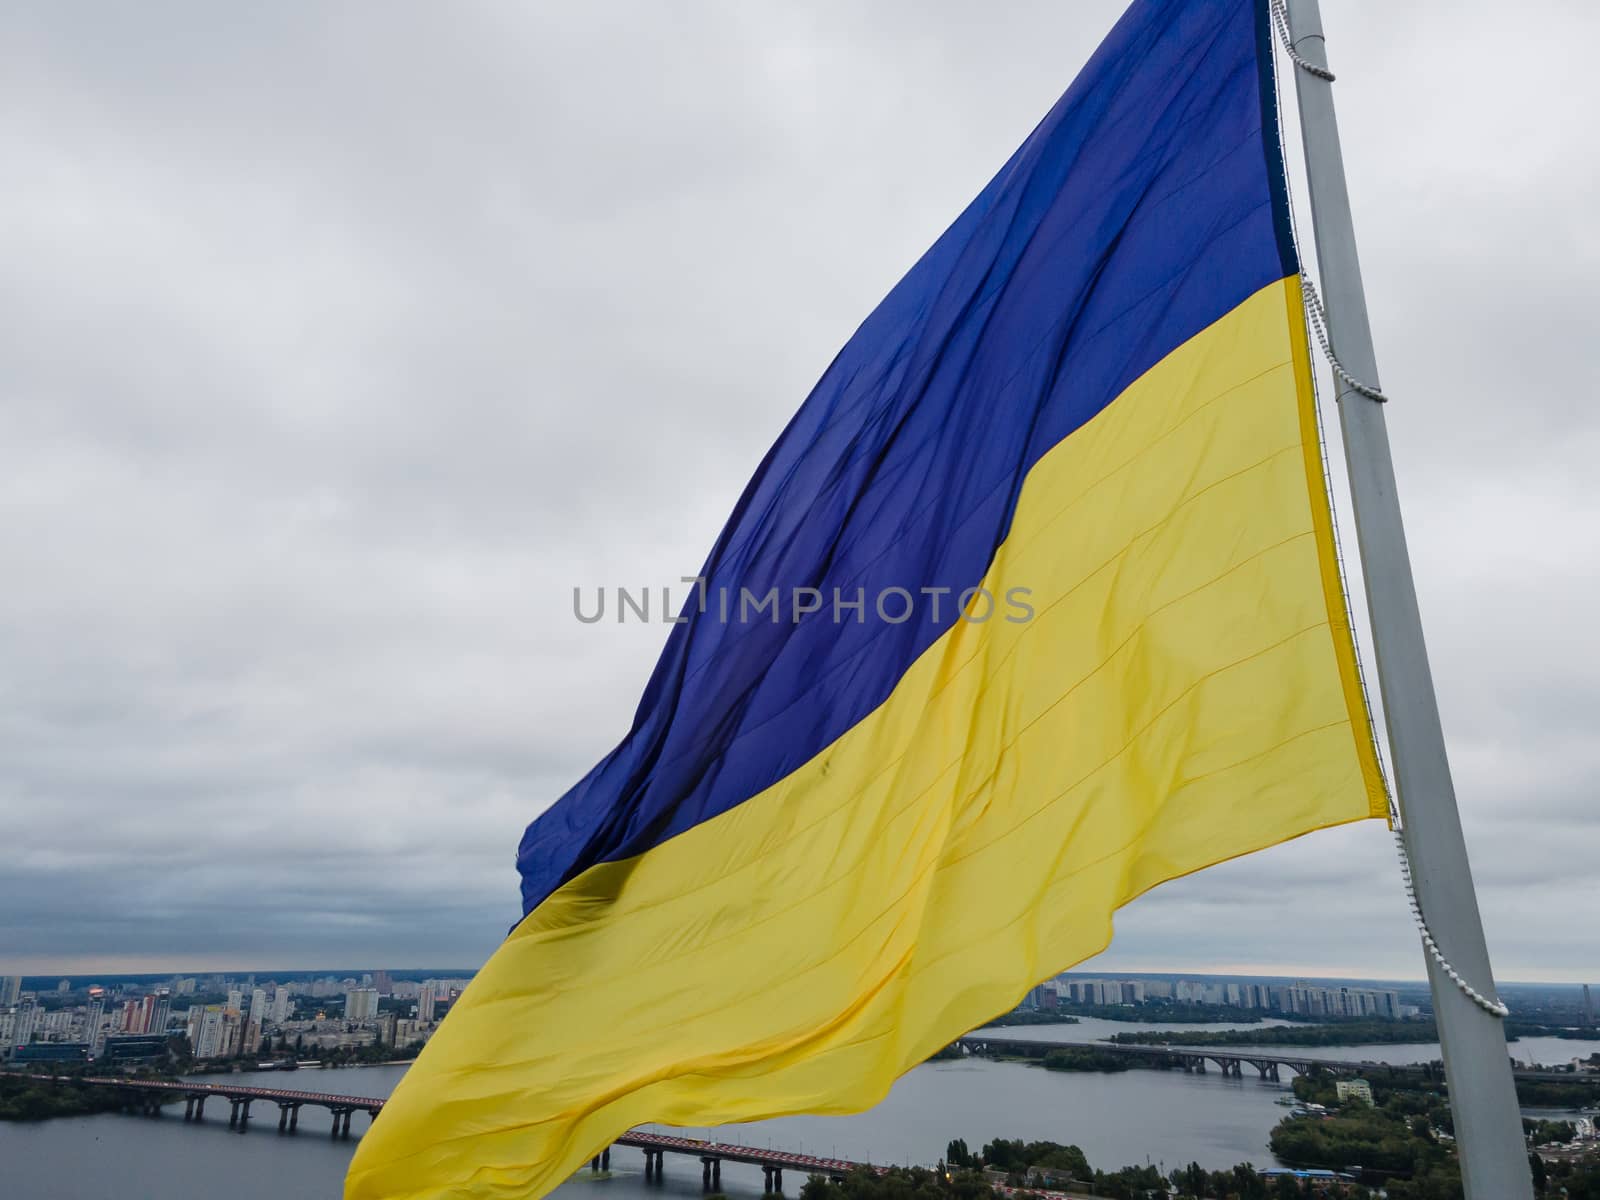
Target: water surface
(1166, 1117)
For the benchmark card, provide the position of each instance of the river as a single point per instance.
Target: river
(1168, 1117)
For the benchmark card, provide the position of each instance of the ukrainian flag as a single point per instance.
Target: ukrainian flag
(830, 845)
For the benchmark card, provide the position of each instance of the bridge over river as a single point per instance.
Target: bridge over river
(149, 1095)
(1229, 1060)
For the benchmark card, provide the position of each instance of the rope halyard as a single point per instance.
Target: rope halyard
(1280, 21)
(1318, 316)
(1317, 319)
(1493, 1007)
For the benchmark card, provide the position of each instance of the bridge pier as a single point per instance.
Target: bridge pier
(294, 1117)
(772, 1178)
(233, 1114)
(244, 1114)
(711, 1174)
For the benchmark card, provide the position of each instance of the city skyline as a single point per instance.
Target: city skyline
(255, 1017)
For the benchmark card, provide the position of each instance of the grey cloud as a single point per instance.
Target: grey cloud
(337, 347)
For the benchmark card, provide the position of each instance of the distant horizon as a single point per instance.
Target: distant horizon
(88, 976)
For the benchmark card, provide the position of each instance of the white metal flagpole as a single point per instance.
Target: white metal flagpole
(1483, 1098)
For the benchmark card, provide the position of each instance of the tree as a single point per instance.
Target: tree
(1540, 1175)
(1191, 1180)
(1247, 1184)
(1018, 1156)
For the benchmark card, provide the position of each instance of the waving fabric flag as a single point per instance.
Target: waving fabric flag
(1051, 614)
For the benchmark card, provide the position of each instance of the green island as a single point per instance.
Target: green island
(1083, 1059)
(23, 1099)
(1581, 1091)
(1171, 1012)
(1339, 1032)
(1031, 1017)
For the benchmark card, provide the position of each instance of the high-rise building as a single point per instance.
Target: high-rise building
(361, 1004)
(160, 1010)
(236, 1000)
(281, 1004)
(215, 1032)
(205, 1030)
(426, 999)
(381, 981)
(258, 1006)
(27, 1017)
(148, 1015)
(10, 990)
(64, 987)
(93, 1022)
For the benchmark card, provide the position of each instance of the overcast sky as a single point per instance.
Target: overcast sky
(339, 342)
